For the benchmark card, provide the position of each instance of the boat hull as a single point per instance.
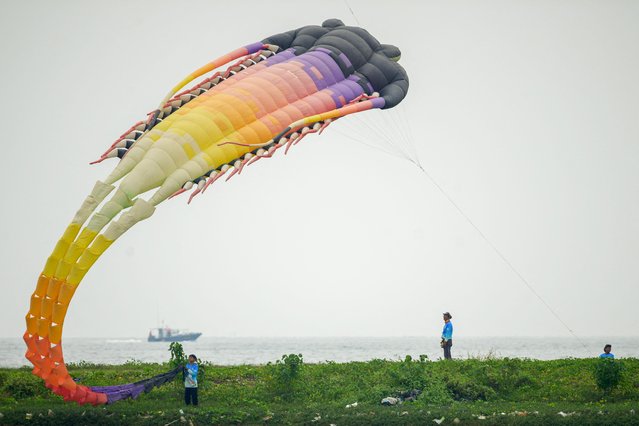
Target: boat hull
(186, 337)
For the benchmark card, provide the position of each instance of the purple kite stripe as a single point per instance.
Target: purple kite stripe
(330, 71)
(378, 102)
(345, 59)
(328, 62)
(310, 62)
(322, 49)
(357, 79)
(280, 57)
(346, 88)
(342, 56)
(254, 47)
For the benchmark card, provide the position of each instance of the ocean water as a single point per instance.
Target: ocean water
(260, 350)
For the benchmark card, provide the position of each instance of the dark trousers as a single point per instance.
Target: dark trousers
(447, 347)
(190, 396)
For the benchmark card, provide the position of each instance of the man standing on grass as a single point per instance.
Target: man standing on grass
(190, 381)
(447, 335)
(607, 353)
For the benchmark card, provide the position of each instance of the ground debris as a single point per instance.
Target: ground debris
(389, 400)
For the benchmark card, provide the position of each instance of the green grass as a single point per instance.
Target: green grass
(474, 391)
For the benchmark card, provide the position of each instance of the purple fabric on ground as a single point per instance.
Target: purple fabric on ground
(133, 390)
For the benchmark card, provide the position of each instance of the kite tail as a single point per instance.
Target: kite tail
(74, 254)
(134, 390)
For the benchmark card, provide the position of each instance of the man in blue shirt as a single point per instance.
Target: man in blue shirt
(447, 335)
(607, 353)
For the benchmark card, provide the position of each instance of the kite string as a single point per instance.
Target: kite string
(352, 13)
(415, 160)
(503, 258)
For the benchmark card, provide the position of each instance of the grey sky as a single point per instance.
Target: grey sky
(525, 113)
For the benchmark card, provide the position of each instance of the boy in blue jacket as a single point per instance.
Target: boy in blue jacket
(190, 381)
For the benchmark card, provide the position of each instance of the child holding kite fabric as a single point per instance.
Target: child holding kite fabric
(190, 381)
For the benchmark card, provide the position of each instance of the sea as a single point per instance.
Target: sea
(261, 350)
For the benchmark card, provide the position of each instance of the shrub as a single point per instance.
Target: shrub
(411, 374)
(436, 392)
(284, 374)
(289, 367)
(23, 385)
(465, 389)
(608, 373)
(505, 376)
(178, 357)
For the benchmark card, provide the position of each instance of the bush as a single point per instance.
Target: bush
(23, 385)
(411, 374)
(504, 377)
(608, 373)
(465, 389)
(284, 375)
(289, 367)
(178, 357)
(436, 392)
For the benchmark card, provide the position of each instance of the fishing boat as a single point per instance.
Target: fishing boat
(167, 334)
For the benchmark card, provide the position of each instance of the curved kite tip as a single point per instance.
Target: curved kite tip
(289, 144)
(176, 193)
(197, 191)
(231, 174)
(99, 160)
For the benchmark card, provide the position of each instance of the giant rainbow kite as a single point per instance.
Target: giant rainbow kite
(278, 91)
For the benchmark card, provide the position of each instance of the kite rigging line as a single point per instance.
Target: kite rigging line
(352, 13)
(400, 153)
(401, 143)
(503, 258)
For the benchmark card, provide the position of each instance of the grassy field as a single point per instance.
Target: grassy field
(472, 391)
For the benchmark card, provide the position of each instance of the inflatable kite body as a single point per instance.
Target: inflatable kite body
(281, 89)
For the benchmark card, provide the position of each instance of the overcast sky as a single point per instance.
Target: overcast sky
(525, 113)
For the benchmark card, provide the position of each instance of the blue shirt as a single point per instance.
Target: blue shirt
(190, 376)
(447, 332)
(605, 355)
